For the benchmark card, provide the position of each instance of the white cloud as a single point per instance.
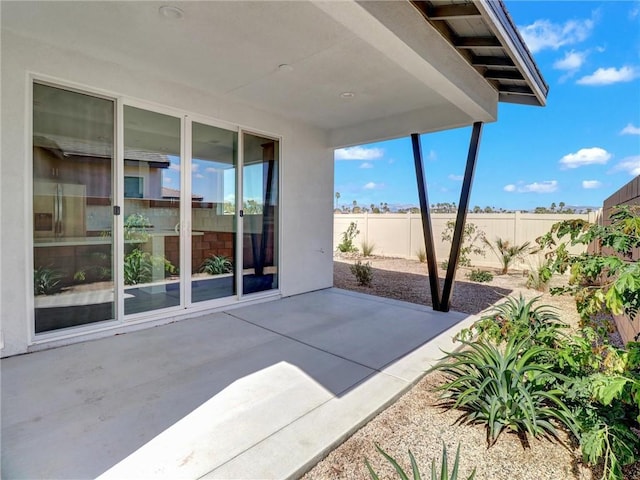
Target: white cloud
(366, 165)
(543, 34)
(585, 156)
(588, 184)
(630, 165)
(433, 156)
(630, 129)
(174, 166)
(572, 61)
(608, 76)
(358, 153)
(372, 186)
(457, 178)
(166, 179)
(547, 186)
(199, 175)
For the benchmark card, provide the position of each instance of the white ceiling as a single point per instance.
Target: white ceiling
(234, 49)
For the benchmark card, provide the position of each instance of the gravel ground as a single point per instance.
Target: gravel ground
(418, 423)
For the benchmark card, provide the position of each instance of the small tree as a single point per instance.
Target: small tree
(507, 253)
(472, 239)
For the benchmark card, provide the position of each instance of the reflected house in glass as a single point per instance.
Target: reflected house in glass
(160, 167)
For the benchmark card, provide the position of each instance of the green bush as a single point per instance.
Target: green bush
(521, 320)
(348, 236)
(507, 253)
(139, 267)
(216, 265)
(415, 470)
(481, 276)
(471, 236)
(363, 273)
(46, 281)
(507, 389)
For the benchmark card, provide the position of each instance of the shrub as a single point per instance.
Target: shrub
(539, 277)
(346, 244)
(521, 320)
(363, 273)
(505, 390)
(216, 265)
(506, 253)
(46, 281)
(139, 266)
(368, 248)
(421, 253)
(481, 276)
(444, 468)
(471, 236)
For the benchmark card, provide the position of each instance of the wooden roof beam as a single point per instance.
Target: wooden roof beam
(452, 12)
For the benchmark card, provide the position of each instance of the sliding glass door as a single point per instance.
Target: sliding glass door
(152, 217)
(73, 161)
(195, 220)
(214, 160)
(260, 213)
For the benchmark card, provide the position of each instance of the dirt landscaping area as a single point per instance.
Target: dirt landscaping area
(418, 423)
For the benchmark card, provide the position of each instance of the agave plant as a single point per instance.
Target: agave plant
(505, 390)
(415, 470)
(216, 265)
(522, 320)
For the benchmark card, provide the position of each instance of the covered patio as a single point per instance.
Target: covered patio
(259, 391)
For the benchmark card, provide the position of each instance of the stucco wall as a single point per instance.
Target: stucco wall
(306, 170)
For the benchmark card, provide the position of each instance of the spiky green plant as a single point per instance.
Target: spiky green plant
(216, 265)
(415, 470)
(506, 252)
(507, 389)
(421, 253)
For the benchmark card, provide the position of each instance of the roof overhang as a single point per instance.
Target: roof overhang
(405, 66)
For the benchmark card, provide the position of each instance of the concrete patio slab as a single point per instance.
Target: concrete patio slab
(259, 391)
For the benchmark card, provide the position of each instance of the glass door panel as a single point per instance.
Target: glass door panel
(260, 220)
(213, 212)
(152, 180)
(73, 145)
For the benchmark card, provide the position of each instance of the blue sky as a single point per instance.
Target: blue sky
(579, 149)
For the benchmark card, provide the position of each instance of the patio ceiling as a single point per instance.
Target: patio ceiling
(405, 66)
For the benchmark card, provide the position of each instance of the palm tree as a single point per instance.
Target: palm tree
(507, 253)
(337, 198)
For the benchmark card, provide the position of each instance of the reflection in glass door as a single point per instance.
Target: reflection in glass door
(260, 220)
(73, 145)
(213, 212)
(152, 222)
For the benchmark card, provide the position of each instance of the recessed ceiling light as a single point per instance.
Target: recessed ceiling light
(347, 95)
(171, 12)
(285, 67)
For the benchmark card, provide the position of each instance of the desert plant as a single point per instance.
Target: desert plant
(421, 253)
(539, 276)
(367, 248)
(415, 470)
(507, 253)
(139, 266)
(481, 276)
(346, 244)
(216, 265)
(507, 389)
(363, 273)
(46, 281)
(472, 236)
(521, 320)
(136, 228)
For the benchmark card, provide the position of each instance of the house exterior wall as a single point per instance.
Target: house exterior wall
(306, 172)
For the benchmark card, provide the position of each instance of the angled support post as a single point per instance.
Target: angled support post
(427, 230)
(461, 217)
